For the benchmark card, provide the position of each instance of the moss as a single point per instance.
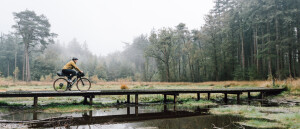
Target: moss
(3, 103)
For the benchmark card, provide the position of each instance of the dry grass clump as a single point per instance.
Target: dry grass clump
(124, 87)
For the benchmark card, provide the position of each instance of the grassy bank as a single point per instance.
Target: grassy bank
(264, 117)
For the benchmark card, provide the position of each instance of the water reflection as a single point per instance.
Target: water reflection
(155, 116)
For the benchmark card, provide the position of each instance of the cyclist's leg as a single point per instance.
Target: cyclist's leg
(69, 73)
(73, 73)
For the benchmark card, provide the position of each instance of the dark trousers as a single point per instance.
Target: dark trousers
(69, 73)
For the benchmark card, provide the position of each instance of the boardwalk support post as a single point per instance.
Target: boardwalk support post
(85, 100)
(91, 99)
(136, 98)
(225, 98)
(208, 96)
(249, 95)
(128, 98)
(261, 95)
(238, 98)
(165, 98)
(175, 97)
(198, 96)
(136, 110)
(35, 101)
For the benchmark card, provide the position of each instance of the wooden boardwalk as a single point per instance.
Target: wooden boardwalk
(136, 93)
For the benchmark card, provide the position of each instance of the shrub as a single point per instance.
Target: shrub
(94, 79)
(124, 87)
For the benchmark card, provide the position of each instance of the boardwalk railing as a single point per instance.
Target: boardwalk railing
(165, 92)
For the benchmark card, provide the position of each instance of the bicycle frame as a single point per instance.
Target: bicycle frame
(75, 80)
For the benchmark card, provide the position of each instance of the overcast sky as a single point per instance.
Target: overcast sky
(104, 25)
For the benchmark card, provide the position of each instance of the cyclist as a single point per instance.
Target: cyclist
(68, 69)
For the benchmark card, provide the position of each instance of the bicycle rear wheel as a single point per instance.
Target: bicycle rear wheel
(83, 84)
(60, 85)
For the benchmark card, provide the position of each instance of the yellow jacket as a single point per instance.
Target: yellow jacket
(71, 65)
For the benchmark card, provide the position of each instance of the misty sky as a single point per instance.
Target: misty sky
(104, 25)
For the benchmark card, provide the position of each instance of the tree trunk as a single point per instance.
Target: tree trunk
(179, 77)
(15, 77)
(8, 68)
(23, 70)
(298, 40)
(269, 52)
(290, 61)
(190, 67)
(243, 51)
(257, 59)
(298, 37)
(168, 72)
(216, 71)
(254, 46)
(28, 77)
(293, 61)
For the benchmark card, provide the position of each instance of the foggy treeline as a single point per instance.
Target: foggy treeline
(241, 40)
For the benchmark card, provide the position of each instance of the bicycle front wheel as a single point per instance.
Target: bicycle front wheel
(83, 84)
(60, 85)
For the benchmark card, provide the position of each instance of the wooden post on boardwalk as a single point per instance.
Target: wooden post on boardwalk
(225, 98)
(208, 96)
(128, 98)
(136, 98)
(175, 97)
(249, 95)
(238, 98)
(198, 96)
(35, 101)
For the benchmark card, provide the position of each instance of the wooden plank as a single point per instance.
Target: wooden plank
(124, 92)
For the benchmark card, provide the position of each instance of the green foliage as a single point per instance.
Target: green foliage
(16, 73)
(240, 40)
(239, 74)
(252, 73)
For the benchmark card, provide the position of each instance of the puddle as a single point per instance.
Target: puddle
(132, 117)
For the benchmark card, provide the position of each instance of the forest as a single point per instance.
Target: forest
(240, 40)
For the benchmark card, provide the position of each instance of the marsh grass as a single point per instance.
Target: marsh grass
(273, 117)
(193, 102)
(261, 124)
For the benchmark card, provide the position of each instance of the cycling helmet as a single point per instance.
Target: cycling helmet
(74, 58)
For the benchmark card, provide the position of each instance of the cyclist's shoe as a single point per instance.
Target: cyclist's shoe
(69, 80)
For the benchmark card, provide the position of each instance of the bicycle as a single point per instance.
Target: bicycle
(61, 84)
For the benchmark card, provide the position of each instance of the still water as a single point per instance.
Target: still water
(131, 117)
